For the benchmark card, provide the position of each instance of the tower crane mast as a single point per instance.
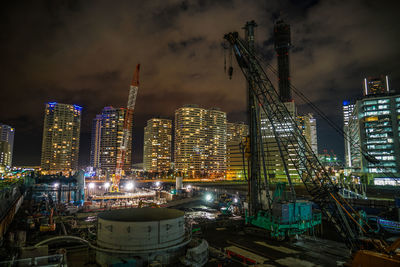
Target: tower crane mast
(127, 129)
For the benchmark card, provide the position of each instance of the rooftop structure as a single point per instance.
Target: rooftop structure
(376, 85)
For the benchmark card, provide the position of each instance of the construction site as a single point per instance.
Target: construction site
(307, 219)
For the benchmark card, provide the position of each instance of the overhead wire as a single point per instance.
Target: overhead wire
(282, 116)
(338, 129)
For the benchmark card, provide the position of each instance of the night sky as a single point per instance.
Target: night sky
(84, 52)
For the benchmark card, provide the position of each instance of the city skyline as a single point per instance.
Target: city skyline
(85, 56)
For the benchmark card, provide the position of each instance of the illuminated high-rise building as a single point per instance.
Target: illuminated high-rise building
(61, 131)
(95, 142)
(376, 147)
(6, 146)
(274, 157)
(376, 85)
(157, 145)
(200, 141)
(373, 131)
(348, 108)
(112, 123)
(236, 161)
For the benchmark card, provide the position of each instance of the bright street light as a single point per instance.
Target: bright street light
(129, 186)
(56, 185)
(208, 197)
(158, 183)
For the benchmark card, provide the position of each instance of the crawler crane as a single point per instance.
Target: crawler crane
(127, 130)
(263, 98)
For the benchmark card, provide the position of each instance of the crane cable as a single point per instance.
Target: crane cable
(338, 129)
(334, 126)
(322, 114)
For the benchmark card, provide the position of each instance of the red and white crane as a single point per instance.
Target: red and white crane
(127, 129)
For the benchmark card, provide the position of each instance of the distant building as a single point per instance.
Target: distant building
(329, 159)
(376, 85)
(200, 141)
(235, 131)
(348, 108)
(107, 134)
(274, 160)
(236, 161)
(61, 132)
(157, 145)
(374, 129)
(6, 146)
(308, 127)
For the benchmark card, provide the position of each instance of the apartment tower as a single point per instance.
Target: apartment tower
(157, 145)
(61, 131)
(107, 134)
(200, 142)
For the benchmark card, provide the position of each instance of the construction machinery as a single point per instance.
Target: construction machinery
(50, 225)
(293, 147)
(127, 130)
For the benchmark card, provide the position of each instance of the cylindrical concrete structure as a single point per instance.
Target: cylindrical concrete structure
(148, 233)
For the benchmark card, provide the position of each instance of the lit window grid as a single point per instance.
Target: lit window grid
(374, 127)
(200, 141)
(60, 145)
(157, 145)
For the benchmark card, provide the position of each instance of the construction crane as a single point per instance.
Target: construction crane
(263, 98)
(127, 130)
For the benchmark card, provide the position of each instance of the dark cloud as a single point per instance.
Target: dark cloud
(180, 46)
(84, 52)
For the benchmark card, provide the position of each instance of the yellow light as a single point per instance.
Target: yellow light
(371, 119)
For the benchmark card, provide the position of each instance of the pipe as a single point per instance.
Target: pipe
(103, 249)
